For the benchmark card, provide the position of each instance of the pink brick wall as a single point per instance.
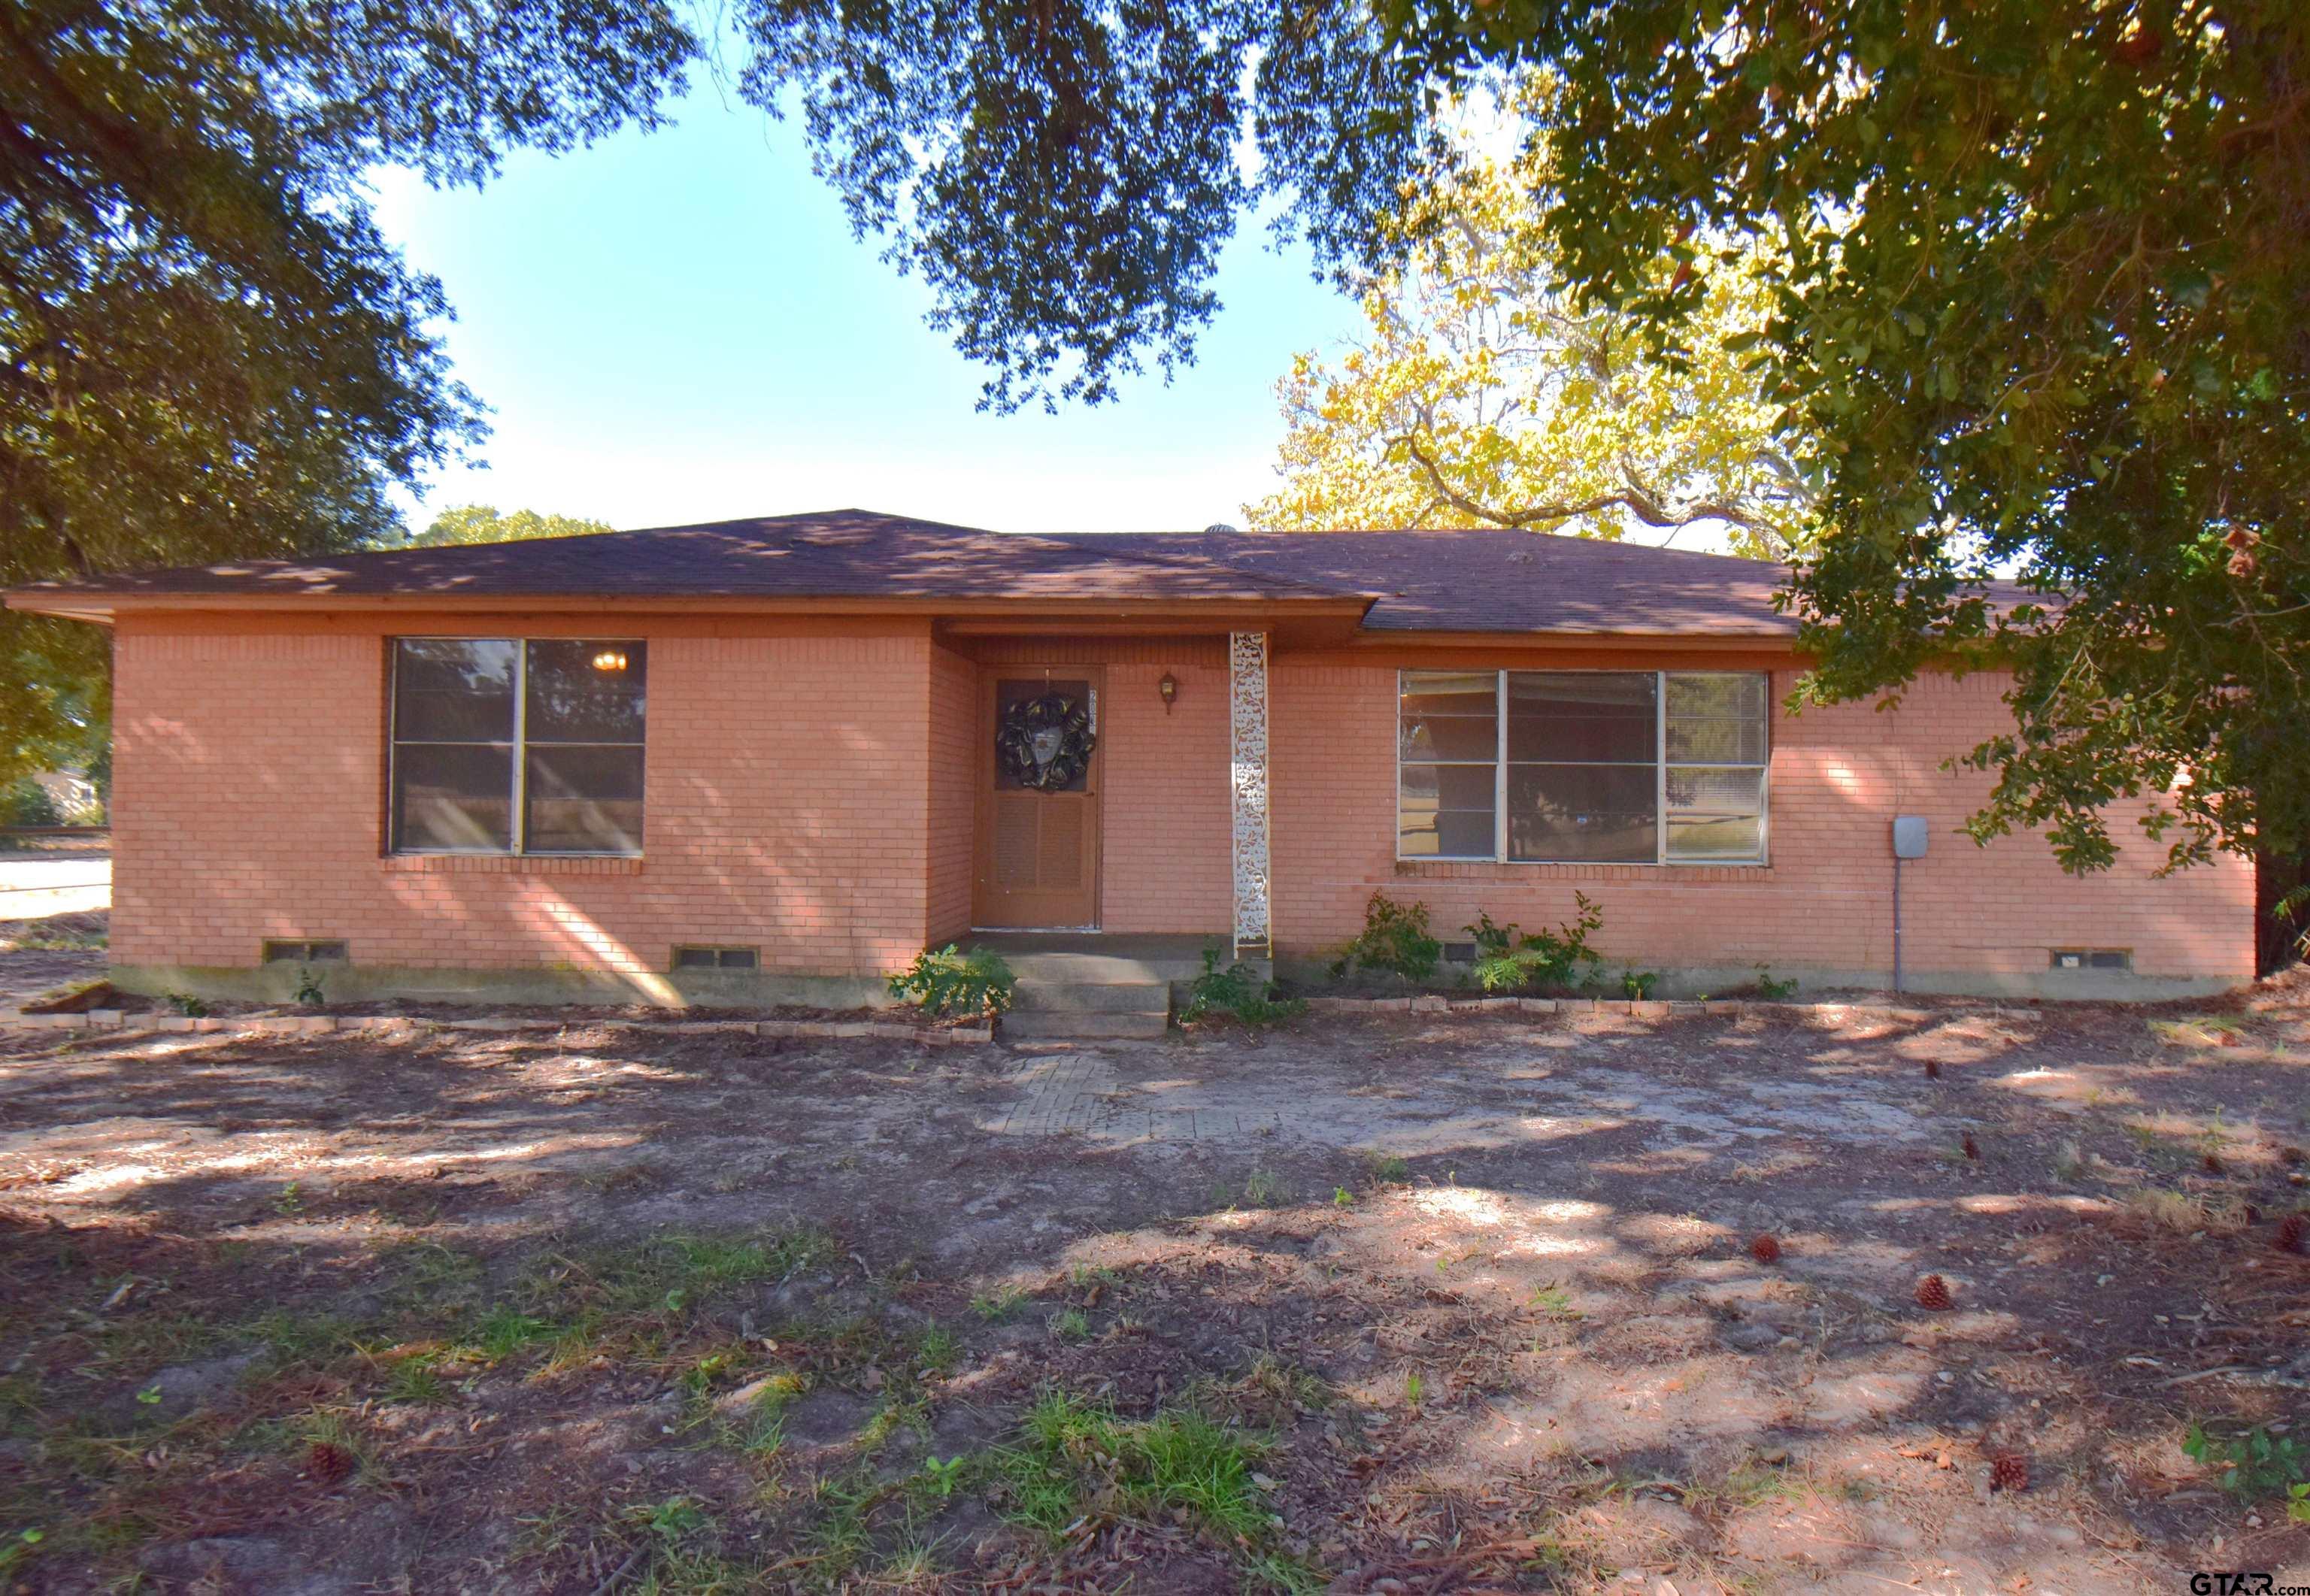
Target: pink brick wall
(811, 790)
(1838, 777)
(786, 807)
(954, 755)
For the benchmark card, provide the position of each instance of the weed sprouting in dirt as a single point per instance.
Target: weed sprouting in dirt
(2255, 1463)
(1552, 1301)
(1238, 992)
(997, 1305)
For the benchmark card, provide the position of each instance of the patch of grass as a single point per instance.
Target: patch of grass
(2069, 1163)
(1070, 1325)
(1072, 1457)
(995, 1306)
(2161, 1209)
(504, 1330)
(1390, 1168)
(415, 1381)
(1263, 1189)
(637, 1296)
(1748, 1483)
(1556, 1303)
(678, 1572)
(936, 1350)
(840, 1537)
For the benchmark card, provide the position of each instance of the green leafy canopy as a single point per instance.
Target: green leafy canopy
(2031, 271)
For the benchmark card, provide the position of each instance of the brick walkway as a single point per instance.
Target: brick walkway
(1078, 1091)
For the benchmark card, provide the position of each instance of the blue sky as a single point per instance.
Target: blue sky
(678, 327)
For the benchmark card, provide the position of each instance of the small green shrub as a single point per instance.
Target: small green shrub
(1239, 992)
(190, 1007)
(1555, 960)
(309, 991)
(1638, 983)
(1396, 939)
(953, 982)
(26, 802)
(2255, 1463)
(1775, 991)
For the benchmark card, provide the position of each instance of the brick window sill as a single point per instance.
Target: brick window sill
(511, 865)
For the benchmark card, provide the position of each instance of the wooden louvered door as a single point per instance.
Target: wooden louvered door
(1038, 847)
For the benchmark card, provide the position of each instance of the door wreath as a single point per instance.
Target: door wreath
(1046, 744)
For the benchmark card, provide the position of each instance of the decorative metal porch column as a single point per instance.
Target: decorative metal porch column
(1247, 744)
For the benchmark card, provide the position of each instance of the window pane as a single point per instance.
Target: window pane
(1717, 717)
(584, 800)
(1579, 812)
(455, 798)
(1715, 814)
(1449, 715)
(1446, 812)
(452, 689)
(585, 691)
(1582, 717)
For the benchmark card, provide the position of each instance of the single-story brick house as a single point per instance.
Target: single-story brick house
(775, 757)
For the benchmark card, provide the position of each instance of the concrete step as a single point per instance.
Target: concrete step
(1047, 1025)
(1099, 968)
(1093, 997)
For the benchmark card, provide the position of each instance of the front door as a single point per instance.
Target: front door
(1038, 800)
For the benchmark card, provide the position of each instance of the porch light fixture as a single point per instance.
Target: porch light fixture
(610, 659)
(1169, 688)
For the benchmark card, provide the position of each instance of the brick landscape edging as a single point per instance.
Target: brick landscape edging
(309, 1025)
(296, 1025)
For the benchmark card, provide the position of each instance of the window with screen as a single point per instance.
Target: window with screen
(1582, 767)
(517, 746)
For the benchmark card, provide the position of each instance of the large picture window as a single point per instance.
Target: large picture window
(510, 746)
(1582, 767)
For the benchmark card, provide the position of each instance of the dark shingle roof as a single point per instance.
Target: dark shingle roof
(1500, 581)
(1416, 581)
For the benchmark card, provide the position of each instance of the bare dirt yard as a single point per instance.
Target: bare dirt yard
(1431, 1303)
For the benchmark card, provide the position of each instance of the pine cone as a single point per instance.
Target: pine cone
(1766, 1249)
(1932, 1069)
(327, 1461)
(1971, 1148)
(2009, 1472)
(1933, 1292)
(2291, 1229)
(2213, 1165)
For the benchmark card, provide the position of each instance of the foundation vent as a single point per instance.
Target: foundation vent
(702, 957)
(305, 952)
(2095, 961)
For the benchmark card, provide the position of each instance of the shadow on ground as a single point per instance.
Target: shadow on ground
(1384, 1306)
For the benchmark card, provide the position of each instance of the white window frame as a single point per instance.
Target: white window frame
(1762, 859)
(517, 826)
